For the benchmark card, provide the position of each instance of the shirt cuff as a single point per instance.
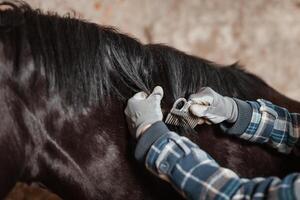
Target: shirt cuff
(155, 131)
(243, 120)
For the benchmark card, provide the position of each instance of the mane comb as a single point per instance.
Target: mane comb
(180, 115)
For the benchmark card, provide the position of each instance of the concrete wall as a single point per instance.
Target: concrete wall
(264, 35)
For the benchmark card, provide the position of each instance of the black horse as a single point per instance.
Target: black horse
(64, 85)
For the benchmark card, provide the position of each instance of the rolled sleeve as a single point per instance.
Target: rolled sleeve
(243, 120)
(154, 132)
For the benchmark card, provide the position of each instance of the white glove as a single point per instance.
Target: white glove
(210, 105)
(143, 110)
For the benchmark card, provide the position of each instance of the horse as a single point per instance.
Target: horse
(64, 87)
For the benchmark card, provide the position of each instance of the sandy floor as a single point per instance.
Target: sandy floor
(264, 35)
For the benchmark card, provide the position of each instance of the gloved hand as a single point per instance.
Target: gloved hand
(210, 105)
(143, 110)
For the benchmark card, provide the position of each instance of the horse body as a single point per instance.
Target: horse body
(55, 131)
(78, 155)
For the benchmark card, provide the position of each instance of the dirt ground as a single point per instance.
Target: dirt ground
(263, 35)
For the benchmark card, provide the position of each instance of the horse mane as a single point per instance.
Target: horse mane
(87, 63)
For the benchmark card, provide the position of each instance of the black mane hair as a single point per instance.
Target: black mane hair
(87, 62)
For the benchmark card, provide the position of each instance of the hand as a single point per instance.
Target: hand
(210, 105)
(143, 110)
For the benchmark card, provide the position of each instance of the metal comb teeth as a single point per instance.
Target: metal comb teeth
(180, 115)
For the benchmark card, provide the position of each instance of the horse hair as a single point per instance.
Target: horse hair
(103, 62)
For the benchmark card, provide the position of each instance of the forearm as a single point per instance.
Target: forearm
(197, 176)
(267, 123)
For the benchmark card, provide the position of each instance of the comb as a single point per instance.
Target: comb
(180, 115)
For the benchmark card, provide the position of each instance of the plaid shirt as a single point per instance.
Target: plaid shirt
(196, 175)
(273, 125)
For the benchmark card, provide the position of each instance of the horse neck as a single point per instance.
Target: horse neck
(31, 149)
(281, 100)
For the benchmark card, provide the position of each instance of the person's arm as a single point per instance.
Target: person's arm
(263, 122)
(195, 175)
(256, 121)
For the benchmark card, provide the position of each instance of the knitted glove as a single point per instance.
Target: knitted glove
(143, 110)
(210, 105)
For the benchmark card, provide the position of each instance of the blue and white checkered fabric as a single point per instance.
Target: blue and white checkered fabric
(273, 125)
(196, 175)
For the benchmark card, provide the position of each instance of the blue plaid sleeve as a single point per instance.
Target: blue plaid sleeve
(273, 125)
(195, 175)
